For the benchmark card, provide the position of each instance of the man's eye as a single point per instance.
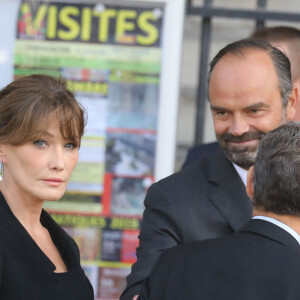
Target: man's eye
(40, 143)
(221, 113)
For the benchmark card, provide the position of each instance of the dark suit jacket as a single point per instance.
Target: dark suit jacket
(27, 273)
(260, 262)
(204, 201)
(199, 152)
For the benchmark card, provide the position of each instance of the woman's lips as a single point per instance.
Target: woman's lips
(53, 181)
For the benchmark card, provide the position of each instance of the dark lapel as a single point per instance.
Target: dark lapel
(227, 192)
(271, 231)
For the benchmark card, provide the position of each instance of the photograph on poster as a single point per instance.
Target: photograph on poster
(111, 282)
(130, 153)
(132, 105)
(127, 195)
(92, 273)
(88, 241)
(129, 244)
(111, 245)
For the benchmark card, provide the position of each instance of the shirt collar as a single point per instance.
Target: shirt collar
(242, 172)
(282, 225)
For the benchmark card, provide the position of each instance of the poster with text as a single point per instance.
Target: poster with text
(110, 56)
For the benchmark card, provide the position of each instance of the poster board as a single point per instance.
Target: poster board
(125, 71)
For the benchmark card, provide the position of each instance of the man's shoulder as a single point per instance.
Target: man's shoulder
(204, 246)
(199, 171)
(186, 177)
(237, 249)
(233, 247)
(256, 236)
(199, 152)
(204, 149)
(187, 255)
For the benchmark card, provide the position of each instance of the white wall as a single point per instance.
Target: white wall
(8, 18)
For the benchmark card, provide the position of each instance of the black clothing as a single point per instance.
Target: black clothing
(27, 273)
(204, 201)
(262, 261)
(200, 151)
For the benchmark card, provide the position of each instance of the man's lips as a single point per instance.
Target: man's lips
(244, 143)
(248, 137)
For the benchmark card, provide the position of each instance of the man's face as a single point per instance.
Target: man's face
(246, 103)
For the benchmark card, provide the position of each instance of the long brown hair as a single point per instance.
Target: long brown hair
(28, 103)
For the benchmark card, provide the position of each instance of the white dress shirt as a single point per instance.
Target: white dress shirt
(282, 225)
(242, 172)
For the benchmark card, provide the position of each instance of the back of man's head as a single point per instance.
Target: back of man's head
(277, 171)
(277, 33)
(286, 39)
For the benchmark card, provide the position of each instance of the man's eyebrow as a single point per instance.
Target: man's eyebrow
(258, 105)
(252, 106)
(214, 107)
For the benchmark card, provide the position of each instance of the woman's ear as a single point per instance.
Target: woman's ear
(250, 187)
(2, 154)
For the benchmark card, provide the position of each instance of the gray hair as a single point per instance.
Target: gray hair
(277, 171)
(277, 33)
(279, 59)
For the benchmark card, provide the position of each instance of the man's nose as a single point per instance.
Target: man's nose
(238, 126)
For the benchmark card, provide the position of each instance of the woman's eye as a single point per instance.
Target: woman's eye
(40, 143)
(70, 146)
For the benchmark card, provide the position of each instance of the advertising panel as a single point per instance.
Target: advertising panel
(110, 55)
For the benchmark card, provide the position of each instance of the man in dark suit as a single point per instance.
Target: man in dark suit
(198, 152)
(260, 261)
(250, 94)
(285, 38)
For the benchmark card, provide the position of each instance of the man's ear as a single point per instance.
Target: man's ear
(250, 186)
(293, 103)
(296, 85)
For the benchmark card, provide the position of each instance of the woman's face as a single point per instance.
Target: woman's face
(40, 169)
